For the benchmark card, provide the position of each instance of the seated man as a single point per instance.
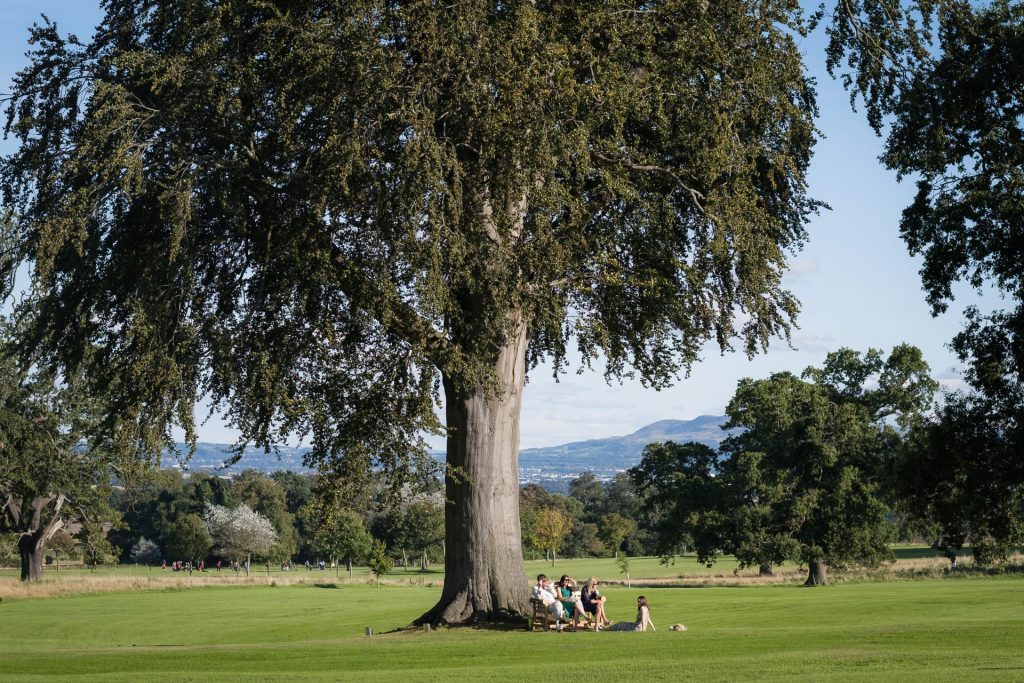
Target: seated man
(545, 592)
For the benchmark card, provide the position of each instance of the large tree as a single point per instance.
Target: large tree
(809, 467)
(942, 80)
(51, 475)
(324, 214)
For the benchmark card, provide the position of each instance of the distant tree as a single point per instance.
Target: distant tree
(263, 494)
(421, 527)
(51, 473)
(613, 530)
(298, 488)
(95, 546)
(338, 532)
(145, 551)
(684, 499)
(590, 492)
(621, 497)
(583, 540)
(9, 548)
(536, 496)
(942, 81)
(622, 562)
(189, 538)
(149, 504)
(240, 532)
(805, 476)
(528, 522)
(953, 475)
(379, 562)
(62, 545)
(341, 209)
(808, 467)
(202, 489)
(550, 528)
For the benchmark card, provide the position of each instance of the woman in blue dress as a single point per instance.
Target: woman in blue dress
(593, 603)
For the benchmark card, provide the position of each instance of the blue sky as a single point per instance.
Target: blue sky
(857, 284)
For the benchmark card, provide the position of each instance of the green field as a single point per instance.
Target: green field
(604, 568)
(969, 629)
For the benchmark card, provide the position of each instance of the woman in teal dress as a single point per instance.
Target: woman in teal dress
(568, 591)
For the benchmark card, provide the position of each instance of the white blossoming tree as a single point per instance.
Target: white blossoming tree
(240, 532)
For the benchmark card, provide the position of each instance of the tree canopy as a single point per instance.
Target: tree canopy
(321, 213)
(805, 473)
(942, 80)
(396, 157)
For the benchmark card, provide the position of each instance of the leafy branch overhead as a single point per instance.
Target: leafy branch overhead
(313, 211)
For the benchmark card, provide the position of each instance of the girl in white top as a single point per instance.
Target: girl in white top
(643, 619)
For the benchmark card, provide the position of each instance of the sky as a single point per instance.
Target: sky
(858, 286)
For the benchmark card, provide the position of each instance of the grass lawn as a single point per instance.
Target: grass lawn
(969, 629)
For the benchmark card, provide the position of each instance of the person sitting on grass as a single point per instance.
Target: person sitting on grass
(593, 604)
(568, 591)
(546, 593)
(643, 619)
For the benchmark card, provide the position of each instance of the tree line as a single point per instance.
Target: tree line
(826, 469)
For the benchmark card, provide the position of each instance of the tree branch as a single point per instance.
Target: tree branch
(404, 320)
(695, 196)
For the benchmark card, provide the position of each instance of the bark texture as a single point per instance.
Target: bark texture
(37, 522)
(484, 571)
(816, 573)
(765, 569)
(32, 548)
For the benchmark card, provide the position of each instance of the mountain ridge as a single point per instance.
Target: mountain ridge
(552, 466)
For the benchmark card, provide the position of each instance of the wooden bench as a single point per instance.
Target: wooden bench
(543, 619)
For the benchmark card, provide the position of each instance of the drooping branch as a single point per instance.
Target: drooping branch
(397, 316)
(12, 509)
(695, 196)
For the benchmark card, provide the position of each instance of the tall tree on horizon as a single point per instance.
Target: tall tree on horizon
(323, 215)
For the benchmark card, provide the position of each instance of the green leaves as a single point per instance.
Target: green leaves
(805, 471)
(311, 213)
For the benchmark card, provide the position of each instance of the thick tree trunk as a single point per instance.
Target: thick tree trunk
(32, 548)
(765, 569)
(816, 573)
(485, 578)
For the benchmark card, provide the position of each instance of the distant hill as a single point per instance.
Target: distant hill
(606, 457)
(210, 457)
(552, 466)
